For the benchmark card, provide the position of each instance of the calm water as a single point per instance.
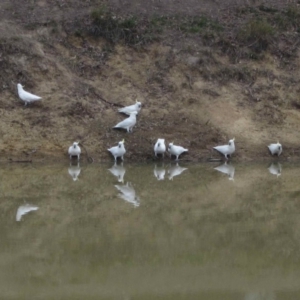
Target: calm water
(150, 232)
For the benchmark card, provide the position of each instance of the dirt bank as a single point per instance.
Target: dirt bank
(203, 76)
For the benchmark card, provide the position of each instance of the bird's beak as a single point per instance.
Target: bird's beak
(233, 139)
(123, 141)
(136, 100)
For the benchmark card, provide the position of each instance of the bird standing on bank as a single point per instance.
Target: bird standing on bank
(74, 150)
(131, 108)
(160, 147)
(128, 123)
(118, 151)
(176, 150)
(25, 96)
(275, 148)
(226, 149)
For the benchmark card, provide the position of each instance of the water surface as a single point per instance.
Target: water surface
(161, 231)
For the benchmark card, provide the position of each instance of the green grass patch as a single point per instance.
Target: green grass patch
(199, 24)
(115, 29)
(258, 33)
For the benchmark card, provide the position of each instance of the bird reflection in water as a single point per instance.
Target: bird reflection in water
(260, 296)
(175, 171)
(159, 173)
(127, 193)
(118, 171)
(25, 209)
(74, 171)
(226, 169)
(275, 169)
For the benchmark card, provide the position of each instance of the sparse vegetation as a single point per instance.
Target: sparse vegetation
(91, 59)
(199, 24)
(117, 29)
(258, 33)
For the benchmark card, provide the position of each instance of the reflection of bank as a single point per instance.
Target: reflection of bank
(260, 296)
(275, 169)
(74, 171)
(175, 171)
(118, 171)
(127, 193)
(159, 173)
(226, 169)
(24, 209)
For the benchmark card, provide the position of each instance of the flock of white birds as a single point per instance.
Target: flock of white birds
(128, 124)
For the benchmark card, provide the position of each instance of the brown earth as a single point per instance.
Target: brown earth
(198, 89)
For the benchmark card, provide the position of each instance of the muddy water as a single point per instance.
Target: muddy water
(150, 232)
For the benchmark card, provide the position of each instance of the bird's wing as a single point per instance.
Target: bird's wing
(29, 96)
(221, 149)
(126, 123)
(127, 109)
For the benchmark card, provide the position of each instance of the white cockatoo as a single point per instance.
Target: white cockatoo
(118, 151)
(176, 150)
(226, 149)
(160, 147)
(25, 96)
(275, 148)
(74, 150)
(131, 108)
(128, 123)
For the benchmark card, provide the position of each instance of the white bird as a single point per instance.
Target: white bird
(159, 173)
(275, 148)
(128, 194)
(226, 169)
(25, 96)
(226, 149)
(275, 169)
(74, 171)
(176, 150)
(160, 147)
(118, 151)
(23, 210)
(74, 150)
(131, 108)
(118, 171)
(128, 123)
(175, 171)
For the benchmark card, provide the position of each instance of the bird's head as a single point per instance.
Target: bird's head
(138, 104)
(20, 86)
(231, 142)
